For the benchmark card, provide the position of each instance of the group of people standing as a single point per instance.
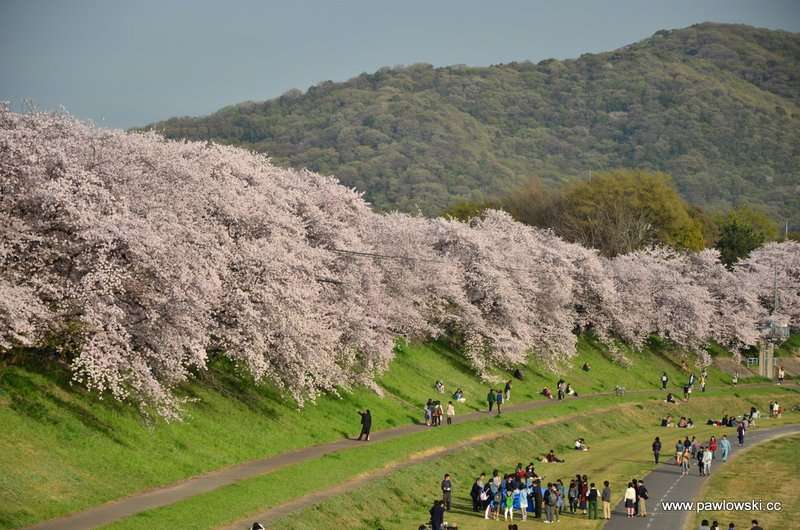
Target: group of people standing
(434, 411)
(525, 492)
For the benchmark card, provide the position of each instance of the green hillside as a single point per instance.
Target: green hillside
(717, 106)
(62, 449)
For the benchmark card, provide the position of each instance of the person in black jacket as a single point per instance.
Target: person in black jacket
(641, 492)
(366, 424)
(537, 499)
(437, 515)
(656, 449)
(475, 493)
(447, 492)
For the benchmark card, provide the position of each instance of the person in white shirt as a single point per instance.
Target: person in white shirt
(451, 412)
(630, 499)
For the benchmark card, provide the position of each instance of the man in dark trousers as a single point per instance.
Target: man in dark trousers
(437, 515)
(477, 488)
(490, 399)
(537, 499)
(447, 492)
(664, 380)
(366, 424)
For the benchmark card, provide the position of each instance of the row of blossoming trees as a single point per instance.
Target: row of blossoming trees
(143, 255)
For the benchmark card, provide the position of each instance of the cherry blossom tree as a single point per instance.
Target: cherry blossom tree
(145, 254)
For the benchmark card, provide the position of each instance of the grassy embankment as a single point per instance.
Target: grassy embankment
(63, 450)
(768, 472)
(619, 431)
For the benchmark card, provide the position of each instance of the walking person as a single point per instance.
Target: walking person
(447, 492)
(635, 483)
(366, 424)
(507, 390)
(781, 374)
(656, 449)
(429, 412)
(708, 456)
(591, 499)
(699, 455)
(642, 493)
(740, 433)
(583, 494)
(679, 450)
(490, 399)
(630, 499)
(725, 447)
(606, 498)
(451, 412)
(498, 400)
(686, 460)
(664, 380)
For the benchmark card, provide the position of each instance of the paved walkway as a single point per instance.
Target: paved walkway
(665, 483)
(163, 496)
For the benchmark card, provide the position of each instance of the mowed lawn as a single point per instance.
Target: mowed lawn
(63, 449)
(768, 472)
(620, 436)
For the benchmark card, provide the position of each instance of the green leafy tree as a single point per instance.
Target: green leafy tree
(741, 231)
(624, 210)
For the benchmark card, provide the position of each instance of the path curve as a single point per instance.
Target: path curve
(204, 483)
(665, 483)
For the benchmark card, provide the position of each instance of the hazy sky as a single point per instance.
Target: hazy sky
(126, 63)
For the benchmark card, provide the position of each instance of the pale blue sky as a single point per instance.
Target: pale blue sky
(127, 63)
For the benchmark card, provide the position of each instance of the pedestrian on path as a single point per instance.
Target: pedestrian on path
(700, 463)
(642, 494)
(366, 424)
(490, 399)
(630, 499)
(606, 497)
(725, 447)
(447, 492)
(708, 456)
(451, 412)
(664, 380)
(740, 434)
(498, 399)
(591, 498)
(679, 451)
(686, 460)
(656, 449)
(508, 390)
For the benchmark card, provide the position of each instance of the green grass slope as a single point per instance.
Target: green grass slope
(715, 105)
(402, 475)
(62, 449)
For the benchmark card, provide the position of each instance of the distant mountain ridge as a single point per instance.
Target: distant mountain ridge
(717, 106)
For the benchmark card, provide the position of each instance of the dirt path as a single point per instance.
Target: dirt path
(163, 496)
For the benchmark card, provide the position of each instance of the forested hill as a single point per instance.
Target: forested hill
(717, 106)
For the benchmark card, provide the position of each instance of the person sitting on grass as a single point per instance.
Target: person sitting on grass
(586, 367)
(580, 445)
(458, 395)
(552, 458)
(547, 393)
(667, 421)
(670, 398)
(439, 386)
(571, 391)
(682, 423)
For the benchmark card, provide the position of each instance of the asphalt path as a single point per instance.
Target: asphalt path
(665, 483)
